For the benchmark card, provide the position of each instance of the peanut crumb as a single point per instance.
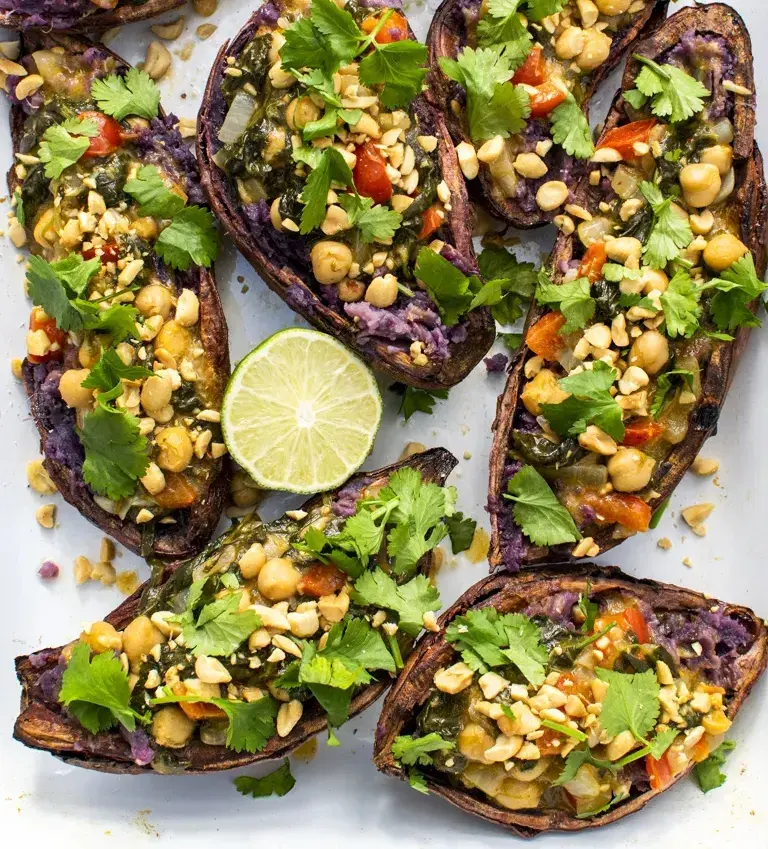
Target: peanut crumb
(16, 368)
(467, 455)
(127, 582)
(665, 543)
(687, 562)
(705, 466)
(697, 513)
(700, 530)
(46, 515)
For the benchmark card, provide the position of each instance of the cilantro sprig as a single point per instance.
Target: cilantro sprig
(417, 400)
(570, 129)
(572, 299)
(673, 94)
(276, 783)
(133, 93)
(408, 750)
(64, 144)
(670, 232)
(542, 518)
(410, 601)
(708, 773)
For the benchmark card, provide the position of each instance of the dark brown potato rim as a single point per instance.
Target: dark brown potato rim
(43, 725)
(443, 41)
(124, 14)
(481, 329)
(514, 592)
(750, 200)
(190, 536)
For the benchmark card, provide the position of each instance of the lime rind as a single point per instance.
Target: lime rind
(301, 412)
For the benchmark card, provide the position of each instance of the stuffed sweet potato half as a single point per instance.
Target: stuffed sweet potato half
(80, 15)
(567, 699)
(273, 633)
(127, 351)
(514, 85)
(340, 184)
(637, 330)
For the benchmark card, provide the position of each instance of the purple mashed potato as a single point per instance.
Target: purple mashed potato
(513, 546)
(162, 144)
(59, 14)
(267, 15)
(141, 752)
(48, 570)
(496, 364)
(279, 248)
(722, 639)
(711, 55)
(345, 503)
(558, 608)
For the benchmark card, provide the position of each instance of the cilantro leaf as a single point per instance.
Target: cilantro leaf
(75, 272)
(375, 223)
(119, 320)
(570, 129)
(151, 193)
(417, 400)
(674, 94)
(305, 47)
(115, 452)
(572, 299)
(670, 232)
(631, 702)
(708, 772)
(110, 370)
(447, 286)
(275, 783)
(331, 168)
(47, 290)
(334, 702)
(537, 511)
(342, 35)
(680, 302)
(536, 10)
(320, 82)
(81, 127)
(461, 531)
(96, 690)
(401, 65)
(512, 341)
(132, 94)
(355, 643)
(410, 751)
(191, 239)
(59, 149)
(661, 742)
(417, 781)
(251, 724)
(219, 628)
(410, 600)
(509, 285)
(486, 639)
(664, 384)
(589, 403)
(503, 26)
(494, 105)
(574, 762)
(729, 306)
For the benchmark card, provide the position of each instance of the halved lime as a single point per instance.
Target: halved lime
(300, 412)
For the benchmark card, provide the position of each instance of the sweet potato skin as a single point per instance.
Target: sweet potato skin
(443, 40)
(281, 278)
(511, 593)
(750, 205)
(189, 536)
(123, 14)
(42, 724)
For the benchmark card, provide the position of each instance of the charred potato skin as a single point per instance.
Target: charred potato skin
(481, 328)
(42, 724)
(513, 593)
(187, 537)
(750, 199)
(443, 40)
(102, 20)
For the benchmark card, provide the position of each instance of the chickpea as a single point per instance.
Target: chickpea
(156, 393)
(71, 391)
(89, 353)
(175, 449)
(700, 183)
(382, 291)
(278, 40)
(154, 299)
(569, 43)
(330, 261)
(473, 742)
(351, 290)
(172, 728)
(630, 469)
(140, 635)
(650, 352)
(102, 637)
(543, 389)
(300, 111)
(174, 338)
(652, 278)
(279, 77)
(723, 250)
(613, 7)
(597, 48)
(624, 248)
(278, 579)
(719, 155)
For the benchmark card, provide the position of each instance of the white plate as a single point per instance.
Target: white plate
(340, 800)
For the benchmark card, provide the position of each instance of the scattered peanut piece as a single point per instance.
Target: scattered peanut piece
(665, 543)
(107, 550)
(705, 466)
(127, 582)
(104, 573)
(205, 31)
(16, 364)
(169, 31)
(687, 562)
(82, 569)
(412, 448)
(46, 515)
(700, 530)
(697, 513)
(205, 7)
(39, 479)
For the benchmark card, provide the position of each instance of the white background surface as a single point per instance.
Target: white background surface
(340, 800)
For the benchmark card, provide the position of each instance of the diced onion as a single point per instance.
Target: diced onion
(236, 122)
(727, 186)
(723, 130)
(595, 230)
